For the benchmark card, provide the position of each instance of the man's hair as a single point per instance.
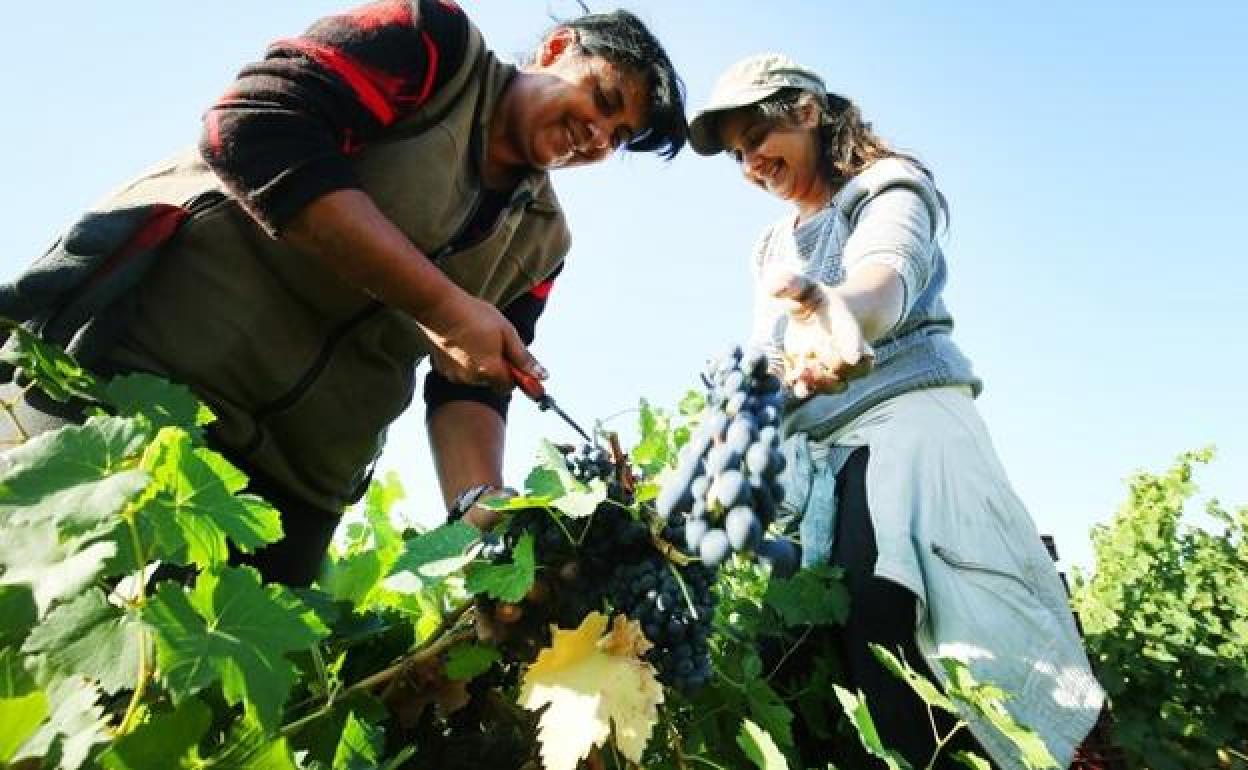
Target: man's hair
(622, 39)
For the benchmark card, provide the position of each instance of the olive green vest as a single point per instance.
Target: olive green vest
(303, 371)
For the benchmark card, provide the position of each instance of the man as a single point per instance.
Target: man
(370, 193)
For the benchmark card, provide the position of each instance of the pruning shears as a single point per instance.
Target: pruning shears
(533, 388)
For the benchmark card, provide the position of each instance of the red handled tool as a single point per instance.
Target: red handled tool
(533, 388)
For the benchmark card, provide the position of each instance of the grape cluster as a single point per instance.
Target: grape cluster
(676, 619)
(724, 492)
(588, 462)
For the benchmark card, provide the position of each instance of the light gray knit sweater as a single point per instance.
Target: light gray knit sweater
(889, 214)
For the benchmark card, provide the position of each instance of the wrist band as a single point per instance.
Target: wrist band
(466, 499)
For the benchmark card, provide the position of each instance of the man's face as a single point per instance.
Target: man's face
(578, 108)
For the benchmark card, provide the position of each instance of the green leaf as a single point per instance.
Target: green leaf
(770, 710)
(55, 371)
(972, 760)
(760, 748)
(855, 707)
(552, 479)
(380, 500)
(91, 638)
(988, 701)
(18, 614)
(74, 727)
(21, 716)
(249, 747)
(922, 686)
(692, 403)
(654, 450)
(166, 740)
(352, 577)
(505, 582)
(192, 507)
(78, 476)
(814, 596)
(517, 503)
(466, 661)
(35, 555)
(231, 629)
(161, 402)
(360, 745)
(15, 679)
(432, 553)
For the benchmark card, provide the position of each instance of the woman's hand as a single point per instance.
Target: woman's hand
(824, 344)
(474, 343)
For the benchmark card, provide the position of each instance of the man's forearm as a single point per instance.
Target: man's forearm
(467, 442)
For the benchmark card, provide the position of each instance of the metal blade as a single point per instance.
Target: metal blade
(567, 419)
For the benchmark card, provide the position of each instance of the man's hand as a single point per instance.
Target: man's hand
(473, 343)
(824, 344)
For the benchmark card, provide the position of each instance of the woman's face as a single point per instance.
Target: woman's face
(780, 156)
(574, 109)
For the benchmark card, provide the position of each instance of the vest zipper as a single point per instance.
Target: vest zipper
(309, 376)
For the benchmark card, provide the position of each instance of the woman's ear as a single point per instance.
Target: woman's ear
(809, 111)
(559, 42)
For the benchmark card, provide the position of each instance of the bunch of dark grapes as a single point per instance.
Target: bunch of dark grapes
(588, 462)
(724, 492)
(676, 620)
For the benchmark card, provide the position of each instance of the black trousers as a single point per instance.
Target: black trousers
(294, 560)
(883, 612)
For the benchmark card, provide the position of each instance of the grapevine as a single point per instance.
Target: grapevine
(415, 648)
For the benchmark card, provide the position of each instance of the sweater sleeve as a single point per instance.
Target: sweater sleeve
(282, 135)
(894, 228)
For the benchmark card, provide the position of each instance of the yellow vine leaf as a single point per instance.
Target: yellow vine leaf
(593, 680)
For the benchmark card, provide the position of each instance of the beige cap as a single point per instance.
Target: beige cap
(747, 82)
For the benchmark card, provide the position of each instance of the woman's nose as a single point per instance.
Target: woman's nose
(597, 139)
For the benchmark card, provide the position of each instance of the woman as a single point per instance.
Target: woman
(892, 470)
(373, 192)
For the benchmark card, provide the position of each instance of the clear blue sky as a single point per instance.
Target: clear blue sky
(1091, 153)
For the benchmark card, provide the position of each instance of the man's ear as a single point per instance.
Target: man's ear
(559, 42)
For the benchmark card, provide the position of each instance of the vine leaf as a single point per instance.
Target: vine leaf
(91, 638)
(654, 450)
(192, 507)
(23, 705)
(165, 741)
(505, 582)
(439, 552)
(160, 402)
(814, 596)
(79, 476)
(760, 748)
(35, 555)
(231, 629)
(589, 684)
(552, 480)
(466, 661)
(770, 710)
(973, 761)
(56, 372)
(18, 614)
(922, 686)
(988, 702)
(73, 728)
(21, 715)
(855, 707)
(361, 747)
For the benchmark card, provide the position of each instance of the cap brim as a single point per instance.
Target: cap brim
(704, 127)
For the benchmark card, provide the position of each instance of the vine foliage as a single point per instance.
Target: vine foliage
(130, 640)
